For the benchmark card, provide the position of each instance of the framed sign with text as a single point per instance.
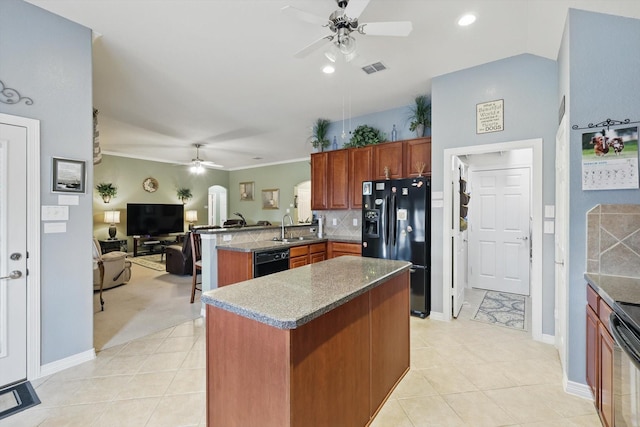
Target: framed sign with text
(490, 116)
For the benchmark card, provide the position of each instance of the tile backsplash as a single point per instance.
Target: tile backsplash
(613, 240)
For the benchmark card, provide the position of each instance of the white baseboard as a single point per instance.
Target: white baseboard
(577, 389)
(434, 315)
(67, 362)
(548, 339)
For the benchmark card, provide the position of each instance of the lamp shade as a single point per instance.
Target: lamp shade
(191, 216)
(112, 217)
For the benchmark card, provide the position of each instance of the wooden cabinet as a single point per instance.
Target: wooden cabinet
(388, 155)
(338, 179)
(319, 181)
(336, 249)
(337, 176)
(599, 356)
(360, 169)
(298, 256)
(317, 252)
(417, 151)
(307, 254)
(234, 267)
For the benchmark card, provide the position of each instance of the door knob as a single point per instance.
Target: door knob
(15, 274)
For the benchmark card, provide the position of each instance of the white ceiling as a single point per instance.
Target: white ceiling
(171, 73)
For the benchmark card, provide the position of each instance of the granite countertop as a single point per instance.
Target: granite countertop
(291, 298)
(267, 245)
(263, 245)
(615, 288)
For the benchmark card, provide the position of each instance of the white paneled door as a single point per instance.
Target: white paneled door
(13, 256)
(499, 230)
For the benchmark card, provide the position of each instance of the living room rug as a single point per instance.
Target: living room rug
(17, 398)
(503, 309)
(149, 261)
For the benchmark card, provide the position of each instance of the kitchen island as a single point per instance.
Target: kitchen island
(319, 345)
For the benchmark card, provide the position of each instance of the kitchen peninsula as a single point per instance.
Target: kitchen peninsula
(319, 345)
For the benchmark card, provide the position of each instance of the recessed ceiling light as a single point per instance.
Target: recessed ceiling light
(467, 19)
(328, 69)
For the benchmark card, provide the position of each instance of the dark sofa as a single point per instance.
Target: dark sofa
(179, 259)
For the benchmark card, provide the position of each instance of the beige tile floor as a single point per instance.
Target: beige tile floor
(463, 373)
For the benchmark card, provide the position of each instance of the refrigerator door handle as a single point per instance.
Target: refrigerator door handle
(394, 223)
(386, 221)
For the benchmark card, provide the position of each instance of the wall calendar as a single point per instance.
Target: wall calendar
(610, 159)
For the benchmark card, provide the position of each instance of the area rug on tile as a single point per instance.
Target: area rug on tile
(502, 308)
(17, 398)
(150, 261)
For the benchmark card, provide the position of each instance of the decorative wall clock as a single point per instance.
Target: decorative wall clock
(150, 184)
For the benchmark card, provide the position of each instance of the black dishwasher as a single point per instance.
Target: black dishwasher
(272, 261)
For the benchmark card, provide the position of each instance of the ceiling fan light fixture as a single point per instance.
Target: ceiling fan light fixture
(197, 168)
(347, 45)
(328, 69)
(466, 20)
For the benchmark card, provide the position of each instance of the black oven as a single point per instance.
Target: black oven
(267, 262)
(626, 365)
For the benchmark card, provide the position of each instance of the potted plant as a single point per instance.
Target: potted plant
(365, 135)
(184, 194)
(106, 190)
(420, 115)
(319, 138)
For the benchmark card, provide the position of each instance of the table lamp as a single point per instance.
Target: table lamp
(112, 218)
(191, 216)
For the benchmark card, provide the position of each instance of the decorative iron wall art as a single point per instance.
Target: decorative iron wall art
(12, 96)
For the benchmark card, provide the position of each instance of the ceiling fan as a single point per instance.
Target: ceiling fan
(342, 23)
(198, 164)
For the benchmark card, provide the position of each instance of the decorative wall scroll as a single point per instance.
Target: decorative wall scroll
(12, 96)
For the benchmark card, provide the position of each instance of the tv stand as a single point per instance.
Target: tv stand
(149, 245)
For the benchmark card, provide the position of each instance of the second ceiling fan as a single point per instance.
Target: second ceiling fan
(342, 23)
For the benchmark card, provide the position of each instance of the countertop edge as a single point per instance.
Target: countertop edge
(293, 323)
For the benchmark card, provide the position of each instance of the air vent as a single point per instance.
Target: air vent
(374, 68)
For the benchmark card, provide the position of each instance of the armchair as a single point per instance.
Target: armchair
(117, 269)
(179, 258)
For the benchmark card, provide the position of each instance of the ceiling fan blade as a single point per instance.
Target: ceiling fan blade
(397, 28)
(304, 15)
(355, 8)
(313, 46)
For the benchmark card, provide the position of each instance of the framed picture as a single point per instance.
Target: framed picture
(246, 191)
(68, 176)
(270, 198)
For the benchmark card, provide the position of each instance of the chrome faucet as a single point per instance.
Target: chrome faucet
(283, 234)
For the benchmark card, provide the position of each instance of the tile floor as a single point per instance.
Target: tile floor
(463, 373)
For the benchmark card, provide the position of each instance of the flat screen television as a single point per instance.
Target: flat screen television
(153, 219)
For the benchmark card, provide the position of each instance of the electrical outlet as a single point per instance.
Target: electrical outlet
(312, 230)
(355, 222)
(334, 221)
(226, 237)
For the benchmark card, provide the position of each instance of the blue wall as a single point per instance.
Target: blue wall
(528, 86)
(600, 64)
(48, 59)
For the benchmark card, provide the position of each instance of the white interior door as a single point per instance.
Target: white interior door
(561, 239)
(13, 248)
(499, 229)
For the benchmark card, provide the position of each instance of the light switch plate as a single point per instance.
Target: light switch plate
(226, 237)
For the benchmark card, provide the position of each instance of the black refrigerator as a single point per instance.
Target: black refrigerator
(396, 225)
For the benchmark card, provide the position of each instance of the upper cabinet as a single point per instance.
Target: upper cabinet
(360, 169)
(337, 179)
(388, 160)
(319, 181)
(417, 152)
(337, 176)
